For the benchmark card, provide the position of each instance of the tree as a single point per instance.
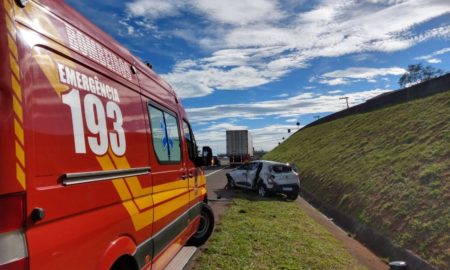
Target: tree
(418, 73)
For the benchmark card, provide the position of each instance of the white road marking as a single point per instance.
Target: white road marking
(211, 173)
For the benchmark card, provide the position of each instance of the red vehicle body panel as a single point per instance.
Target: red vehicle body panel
(62, 69)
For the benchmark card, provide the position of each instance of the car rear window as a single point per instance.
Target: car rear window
(281, 168)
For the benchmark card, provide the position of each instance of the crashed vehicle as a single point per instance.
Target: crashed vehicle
(266, 177)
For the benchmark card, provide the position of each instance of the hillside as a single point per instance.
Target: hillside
(389, 168)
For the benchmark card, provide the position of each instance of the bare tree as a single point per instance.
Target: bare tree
(418, 73)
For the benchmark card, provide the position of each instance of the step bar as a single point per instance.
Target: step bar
(180, 261)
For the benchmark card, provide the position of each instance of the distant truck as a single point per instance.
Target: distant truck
(207, 156)
(239, 146)
(224, 161)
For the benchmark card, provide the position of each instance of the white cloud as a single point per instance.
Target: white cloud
(334, 81)
(292, 120)
(306, 103)
(346, 76)
(153, 9)
(431, 58)
(334, 92)
(434, 61)
(282, 95)
(239, 12)
(256, 42)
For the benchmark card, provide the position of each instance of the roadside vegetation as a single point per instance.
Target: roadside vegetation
(272, 234)
(389, 168)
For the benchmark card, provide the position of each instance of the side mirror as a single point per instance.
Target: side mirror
(199, 161)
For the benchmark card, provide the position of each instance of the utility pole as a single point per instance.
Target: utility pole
(346, 99)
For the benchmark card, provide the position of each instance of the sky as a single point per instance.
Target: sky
(266, 65)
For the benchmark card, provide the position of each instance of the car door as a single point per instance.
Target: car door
(240, 175)
(252, 173)
(170, 189)
(196, 179)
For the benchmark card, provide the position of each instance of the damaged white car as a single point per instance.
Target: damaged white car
(266, 177)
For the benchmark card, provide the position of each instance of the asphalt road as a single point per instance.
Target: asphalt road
(220, 198)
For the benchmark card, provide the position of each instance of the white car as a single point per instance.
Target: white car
(266, 177)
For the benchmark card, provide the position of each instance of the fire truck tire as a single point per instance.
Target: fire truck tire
(205, 227)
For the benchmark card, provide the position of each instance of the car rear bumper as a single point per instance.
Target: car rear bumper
(286, 189)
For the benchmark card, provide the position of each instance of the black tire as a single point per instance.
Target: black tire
(205, 227)
(292, 196)
(125, 263)
(262, 191)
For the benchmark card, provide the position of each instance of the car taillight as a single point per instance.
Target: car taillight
(13, 246)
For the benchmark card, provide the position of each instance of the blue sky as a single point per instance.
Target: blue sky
(264, 65)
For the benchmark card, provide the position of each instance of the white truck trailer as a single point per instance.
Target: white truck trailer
(239, 146)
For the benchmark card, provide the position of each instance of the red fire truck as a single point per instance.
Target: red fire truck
(99, 163)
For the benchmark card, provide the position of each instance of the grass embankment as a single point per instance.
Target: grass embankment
(389, 168)
(270, 234)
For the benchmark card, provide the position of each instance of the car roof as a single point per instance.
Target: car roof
(270, 162)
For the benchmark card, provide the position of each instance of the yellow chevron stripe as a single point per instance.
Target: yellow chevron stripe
(179, 184)
(48, 66)
(18, 130)
(170, 206)
(10, 27)
(144, 201)
(17, 107)
(20, 175)
(17, 97)
(14, 67)
(139, 219)
(20, 154)
(16, 87)
(162, 196)
(12, 47)
(8, 7)
(132, 182)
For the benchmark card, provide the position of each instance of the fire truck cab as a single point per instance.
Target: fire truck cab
(99, 163)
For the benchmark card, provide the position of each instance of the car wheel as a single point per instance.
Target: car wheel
(262, 192)
(292, 196)
(205, 228)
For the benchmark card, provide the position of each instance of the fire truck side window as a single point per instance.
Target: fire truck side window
(165, 135)
(190, 141)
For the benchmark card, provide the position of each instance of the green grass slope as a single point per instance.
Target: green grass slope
(271, 234)
(389, 168)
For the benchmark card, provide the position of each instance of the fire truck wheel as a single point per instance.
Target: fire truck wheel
(205, 227)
